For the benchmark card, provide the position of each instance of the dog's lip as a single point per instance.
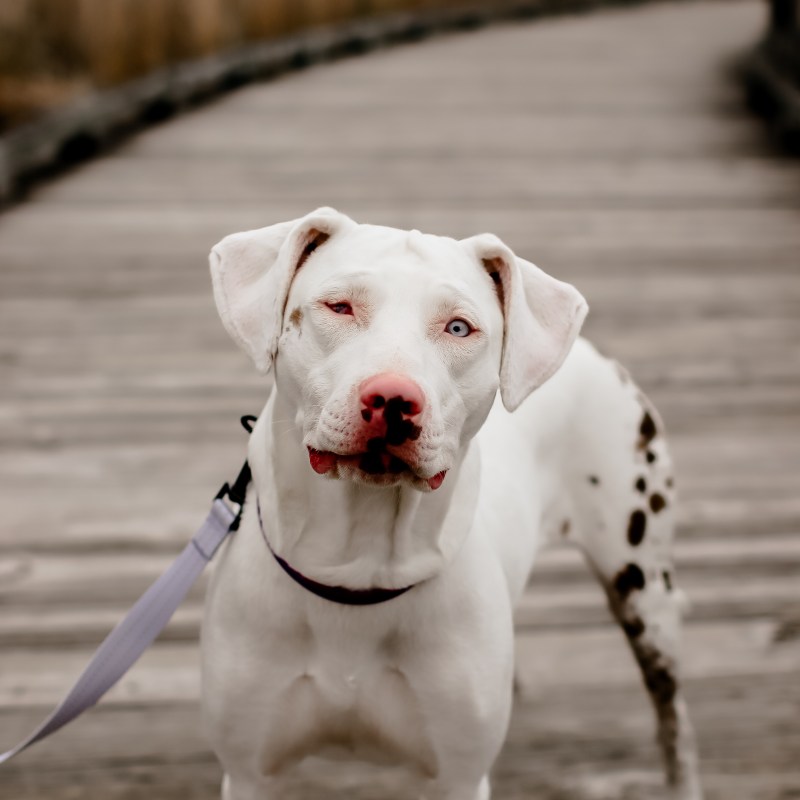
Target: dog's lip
(324, 461)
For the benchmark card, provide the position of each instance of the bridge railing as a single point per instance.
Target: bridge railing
(772, 74)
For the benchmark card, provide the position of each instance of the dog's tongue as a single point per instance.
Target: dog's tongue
(436, 481)
(321, 461)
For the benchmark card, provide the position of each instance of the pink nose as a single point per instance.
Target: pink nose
(380, 390)
(394, 398)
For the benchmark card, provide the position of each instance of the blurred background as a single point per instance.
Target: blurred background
(615, 145)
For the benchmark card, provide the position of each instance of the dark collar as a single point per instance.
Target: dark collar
(336, 594)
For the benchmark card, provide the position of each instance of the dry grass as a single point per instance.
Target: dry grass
(52, 49)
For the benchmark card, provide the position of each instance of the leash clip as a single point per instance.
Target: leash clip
(236, 494)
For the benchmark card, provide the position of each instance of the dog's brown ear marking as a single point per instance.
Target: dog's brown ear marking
(315, 239)
(492, 266)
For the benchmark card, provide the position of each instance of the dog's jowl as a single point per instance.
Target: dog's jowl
(434, 422)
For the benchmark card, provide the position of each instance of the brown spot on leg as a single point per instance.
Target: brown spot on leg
(637, 526)
(628, 579)
(647, 428)
(296, 317)
(594, 480)
(657, 502)
(641, 485)
(650, 456)
(633, 628)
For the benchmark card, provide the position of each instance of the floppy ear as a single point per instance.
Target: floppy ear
(252, 271)
(543, 317)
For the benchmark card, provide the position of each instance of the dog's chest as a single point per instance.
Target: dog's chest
(341, 708)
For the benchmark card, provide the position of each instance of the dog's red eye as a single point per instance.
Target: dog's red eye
(340, 308)
(458, 327)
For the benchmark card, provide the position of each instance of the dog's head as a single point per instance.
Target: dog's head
(390, 344)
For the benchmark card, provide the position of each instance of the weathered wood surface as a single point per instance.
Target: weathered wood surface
(613, 150)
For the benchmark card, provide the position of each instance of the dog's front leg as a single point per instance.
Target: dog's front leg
(248, 789)
(450, 790)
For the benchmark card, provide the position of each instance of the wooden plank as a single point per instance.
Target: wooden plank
(622, 182)
(547, 661)
(601, 751)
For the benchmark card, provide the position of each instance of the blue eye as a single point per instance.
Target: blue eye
(458, 327)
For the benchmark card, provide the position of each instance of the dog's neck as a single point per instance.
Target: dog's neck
(342, 533)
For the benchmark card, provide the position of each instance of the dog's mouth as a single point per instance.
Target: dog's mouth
(376, 466)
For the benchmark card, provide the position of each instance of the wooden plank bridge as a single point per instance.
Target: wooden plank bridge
(611, 148)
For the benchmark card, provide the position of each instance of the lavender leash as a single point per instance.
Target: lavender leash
(122, 647)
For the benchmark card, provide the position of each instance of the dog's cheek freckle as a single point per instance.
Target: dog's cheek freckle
(650, 456)
(641, 485)
(657, 502)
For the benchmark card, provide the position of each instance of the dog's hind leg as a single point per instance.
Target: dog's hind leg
(624, 524)
(647, 607)
(646, 603)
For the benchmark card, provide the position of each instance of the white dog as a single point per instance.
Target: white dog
(364, 608)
